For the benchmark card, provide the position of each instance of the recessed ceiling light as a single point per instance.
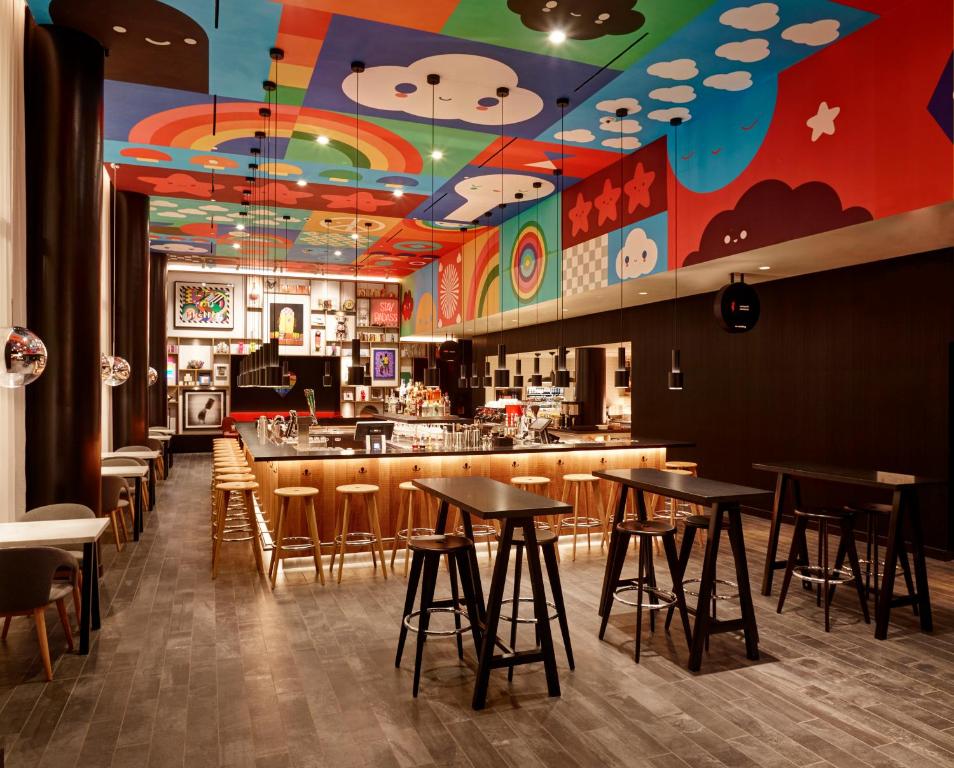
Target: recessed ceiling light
(764, 267)
(337, 253)
(119, 29)
(240, 227)
(354, 235)
(557, 36)
(437, 154)
(398, 192)
(643, 293)
(322, 139)
(236, 246)
(302, 183)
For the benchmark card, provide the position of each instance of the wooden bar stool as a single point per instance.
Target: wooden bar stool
(589, 486)
(670, 506)
(873, 566)
(408, 493)
(547, 543)
(692, 468)
(221, 533)
(285, 544)
(536, 484)
(346, 537)
(825, 578)
(427, 558)
(645, 581)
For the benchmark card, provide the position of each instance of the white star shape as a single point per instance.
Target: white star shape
(823, 121)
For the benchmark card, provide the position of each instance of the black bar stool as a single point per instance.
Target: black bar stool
(873, 514)
(427, 553)
(645, 581)
(821, 575)
(547, 541)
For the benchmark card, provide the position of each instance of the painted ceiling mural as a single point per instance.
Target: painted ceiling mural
(798, 116)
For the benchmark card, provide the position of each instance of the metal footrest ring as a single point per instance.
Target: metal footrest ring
(402, 534)
(666, 597)
(481, 531)
(437, 632)
(580, 522)
(296, 543)
(815, 574)
(528, 620)
(358, 539)
(229, 539)
(723, 582)
(898, 570)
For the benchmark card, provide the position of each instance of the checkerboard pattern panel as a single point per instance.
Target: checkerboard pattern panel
(584, 266)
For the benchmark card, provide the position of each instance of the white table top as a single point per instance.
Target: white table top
(52, 533)
(162, 437)
(144, 455)
(160, 430)
(130, 470)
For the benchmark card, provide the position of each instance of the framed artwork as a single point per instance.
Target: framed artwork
(254, 291)
(203, 410)
(364, 312)
(347, 394)
(284, 285)
(286, 322)
(221, 372)
(203, 305)
(384, 312)
(384, 366)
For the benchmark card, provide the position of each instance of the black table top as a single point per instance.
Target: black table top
(867, 477)
(490, 499)
(697, 490)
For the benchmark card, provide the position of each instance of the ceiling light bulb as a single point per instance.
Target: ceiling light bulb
(240, 227)
(764, 267)
(643, 293)
(236, 246)
(337, 253)
(302, 183)
(398, 192)
(437, 154)
(322, 139)
(557, 36)
(354, 235)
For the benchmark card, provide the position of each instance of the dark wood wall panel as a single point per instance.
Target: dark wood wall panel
(850, 367)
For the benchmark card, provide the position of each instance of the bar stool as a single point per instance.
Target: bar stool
(485, 532)
(692, 468)
(671, 506)
(427, 554)
(692, 524)
(873, 514)
(589, 485)
(345, 537)
(285, 544)
(220, 532)
(547, 542)
(645, 581)
(408, 492)
(820, 574)
(535, 484)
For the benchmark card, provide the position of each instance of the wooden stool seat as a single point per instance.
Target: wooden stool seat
(534, 484)
(543, 537)
(581, 477)
(442, 545)
(345, 537)
(691, 466)
(407, 527)
(303, 544)
(224, 490)
(236, 478)
(243, 485)
(649, 528)
(530, 480)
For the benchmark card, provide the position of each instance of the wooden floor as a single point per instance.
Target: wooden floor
(190, 672)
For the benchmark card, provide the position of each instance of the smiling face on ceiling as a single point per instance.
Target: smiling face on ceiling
(149, 42)
(579, 19)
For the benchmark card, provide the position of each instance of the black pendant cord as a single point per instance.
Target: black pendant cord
(675, 231)
(620, 116)
(435, 263)
(112, 267)
(561, 301)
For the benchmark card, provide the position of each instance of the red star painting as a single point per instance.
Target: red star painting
(363, 200)
(637, 188)
(606, 203)
(580, 215)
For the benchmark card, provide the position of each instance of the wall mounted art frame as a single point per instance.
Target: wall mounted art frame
(384, 366)
(204, 305)
(203, 409)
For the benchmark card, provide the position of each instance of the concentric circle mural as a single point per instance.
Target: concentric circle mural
(528, 261)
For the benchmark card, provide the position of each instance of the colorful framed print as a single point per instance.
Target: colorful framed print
(384, 366)
(286, 322)
(384, 312)
(203, 410)
(203, 305)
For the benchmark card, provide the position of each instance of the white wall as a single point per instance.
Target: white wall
(12, 249)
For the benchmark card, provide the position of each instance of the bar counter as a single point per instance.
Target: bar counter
(281, 465)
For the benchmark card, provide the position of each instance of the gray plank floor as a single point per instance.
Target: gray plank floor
(191, 672)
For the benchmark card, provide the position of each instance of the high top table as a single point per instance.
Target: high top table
(59, 533)
(904, 505)
(488, 499)
(135, 472)
(149, 456)
(721, 498)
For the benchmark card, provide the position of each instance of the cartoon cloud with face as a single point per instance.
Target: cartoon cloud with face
(579, 19)
(638, 256)
(772, 212)
(466, 92)
(148, 42)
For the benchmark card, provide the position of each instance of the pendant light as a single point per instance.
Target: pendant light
(356, 370)
(488, 378)
(113, 369)
(621, 375)
(561, 376)
(463, 382)
(24, 357)
(474, 375)
(536, 378)
(432, 376)
(326, 379)
(518, 371)
(502, 374)
(675, 364)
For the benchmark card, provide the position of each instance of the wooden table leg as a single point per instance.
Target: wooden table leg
(475, 567)
(781, 483)
(613, 543)
(489, 641)
(700, 628)
(540, 609)
(913, 513)
(737, 540)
